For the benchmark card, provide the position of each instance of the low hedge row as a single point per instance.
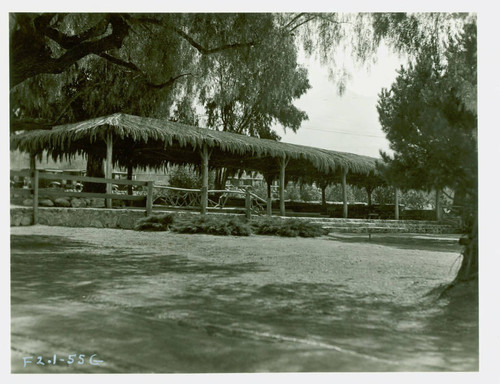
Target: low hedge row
(230, 226)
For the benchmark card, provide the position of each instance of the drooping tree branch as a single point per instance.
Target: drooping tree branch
(169, 82)
(302, 23)
(195, 44)
(133, 67)
(208, 51)
(295, 18)
(120, 62)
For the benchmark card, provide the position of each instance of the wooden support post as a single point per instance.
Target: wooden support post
(283, 163)
(204, 187)
(439, 211)
(323, 196)
(32, 163)
(344, 194)
(248, 203)
(130, 170)
(396, 203)
(109, 167)
(149, 198)
(34, 187)
(269, 199)
(34, 182)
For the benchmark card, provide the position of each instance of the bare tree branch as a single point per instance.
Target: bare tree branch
(26, 64)
(302, 23)
(65, 41)
(133, 67)
(294, 19)
(120, 62)
(209, 51)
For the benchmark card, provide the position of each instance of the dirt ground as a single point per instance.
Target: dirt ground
(164, 302)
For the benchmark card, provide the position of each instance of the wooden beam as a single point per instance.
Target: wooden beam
(248, 203)
(439, 211)
(396, 203)
(369, 194)
(269, 198)
(205, 156)
(282, 163)
(344, 194)
(62, 193)
(32, 163)
(34, 187)
(58, 176)
(109, 167)
(34, 183)
(130, 170)
(149, 199)
(323, 196)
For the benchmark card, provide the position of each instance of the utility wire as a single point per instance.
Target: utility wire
(345, 133)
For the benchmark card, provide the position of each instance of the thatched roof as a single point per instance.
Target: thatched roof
(147, 142)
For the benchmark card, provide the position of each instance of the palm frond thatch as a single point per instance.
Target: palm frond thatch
(148, 142)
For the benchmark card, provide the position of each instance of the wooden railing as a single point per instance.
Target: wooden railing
(35, 191)
(191, 198)
(180, 197)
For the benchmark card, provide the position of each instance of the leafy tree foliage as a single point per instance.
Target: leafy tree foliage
(241, 67)
(429, 119)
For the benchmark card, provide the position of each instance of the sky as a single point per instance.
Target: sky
(347, 123)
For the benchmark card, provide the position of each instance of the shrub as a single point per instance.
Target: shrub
(184, 177)
(154, 223)
(211, 225)
(230, 226)
(287, 227)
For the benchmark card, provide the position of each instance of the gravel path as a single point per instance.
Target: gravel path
(163, 302)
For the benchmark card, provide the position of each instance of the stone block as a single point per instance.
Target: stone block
(77, 203)
(97, 203)
(95, 223)
(26, 220)
(28, 202)
(62, 202)
(45, 203)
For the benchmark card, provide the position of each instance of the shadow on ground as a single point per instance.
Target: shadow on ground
(403, 241)
(167, 312)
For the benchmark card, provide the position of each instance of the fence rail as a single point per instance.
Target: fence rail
(36, 191)
(52, 176)
(173, 196)
(190, 198)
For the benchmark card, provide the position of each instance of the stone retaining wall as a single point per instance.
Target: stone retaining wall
(73, 217)
(126, 219)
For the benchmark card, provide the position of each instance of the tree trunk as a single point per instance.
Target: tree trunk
(470, 261)
(94, 169)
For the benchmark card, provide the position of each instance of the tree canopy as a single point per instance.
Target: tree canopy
(241, 67)
(429, 117)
